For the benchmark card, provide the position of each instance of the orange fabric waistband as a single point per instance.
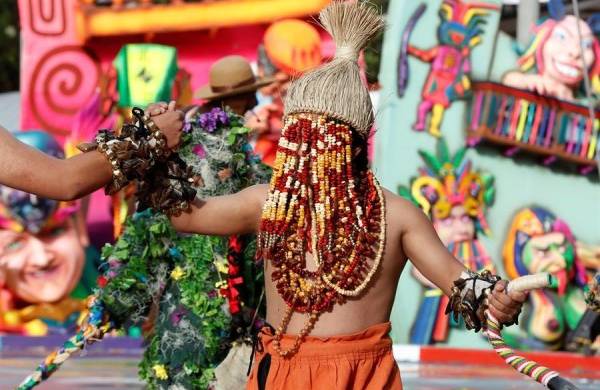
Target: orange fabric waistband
(371, 342)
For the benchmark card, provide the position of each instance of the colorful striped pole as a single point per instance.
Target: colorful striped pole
(547, 377)
(94, 328)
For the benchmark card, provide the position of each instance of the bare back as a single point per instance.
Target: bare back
(409, 234)
(373, 306)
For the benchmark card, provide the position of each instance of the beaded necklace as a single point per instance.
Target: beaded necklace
(314, 206)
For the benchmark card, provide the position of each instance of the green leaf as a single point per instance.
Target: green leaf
(442, 151)
(487, 179)
(489, 196)
(458, 157)
(431, 161)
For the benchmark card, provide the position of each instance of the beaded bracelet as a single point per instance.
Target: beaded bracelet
(468, 297)
(140, 153)
(156, 139)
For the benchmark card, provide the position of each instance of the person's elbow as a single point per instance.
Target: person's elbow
(71, 188)
(180, 223)
(70, 194)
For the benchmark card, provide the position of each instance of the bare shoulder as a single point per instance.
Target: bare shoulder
(402, 213)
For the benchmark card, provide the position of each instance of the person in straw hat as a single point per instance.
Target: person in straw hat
(333, 240)
(232, 84)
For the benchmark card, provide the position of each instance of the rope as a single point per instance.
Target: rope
(94, 329)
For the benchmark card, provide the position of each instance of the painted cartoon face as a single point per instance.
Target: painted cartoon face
(44, 267)
(550, 252)
(561, 53)
(452, 34)
(457, 227)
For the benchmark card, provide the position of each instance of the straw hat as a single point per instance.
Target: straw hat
(336, 89)
(230, 76)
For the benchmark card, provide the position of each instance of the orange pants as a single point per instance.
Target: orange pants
(358, 361)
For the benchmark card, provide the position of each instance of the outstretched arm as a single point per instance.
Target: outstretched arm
(426, 55)
(27, 169)
(422, 245)
(225, 215)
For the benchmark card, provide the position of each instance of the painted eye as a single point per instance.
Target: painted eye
(14, 246)
(560, 34)
(587, 43)
(57, 232)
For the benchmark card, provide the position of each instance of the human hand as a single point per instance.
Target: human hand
(158, 108)
(546, 86)
(170, 124)
(258, 120)
(505, 307)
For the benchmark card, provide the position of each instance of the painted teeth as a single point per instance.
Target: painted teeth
(567, 70)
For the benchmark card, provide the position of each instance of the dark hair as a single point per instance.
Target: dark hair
(360, 148)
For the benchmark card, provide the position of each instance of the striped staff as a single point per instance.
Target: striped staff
(96, 325)
(547, 377)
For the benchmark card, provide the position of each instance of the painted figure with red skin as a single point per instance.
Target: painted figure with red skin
(448, 79)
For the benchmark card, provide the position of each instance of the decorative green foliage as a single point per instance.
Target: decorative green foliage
(174, 281)
(443, 155)
(431, 161)
(458, 158)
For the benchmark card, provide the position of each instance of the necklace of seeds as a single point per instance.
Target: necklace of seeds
(313, 206)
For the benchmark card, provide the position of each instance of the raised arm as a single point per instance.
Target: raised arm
(428, 254)
(426, 55)
(27, 169)
(225, 215)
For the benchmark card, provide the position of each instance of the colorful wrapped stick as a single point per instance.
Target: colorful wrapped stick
(547, 377)
(96, 325)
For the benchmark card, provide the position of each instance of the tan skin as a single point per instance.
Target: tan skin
(27, 169)
(409, 235)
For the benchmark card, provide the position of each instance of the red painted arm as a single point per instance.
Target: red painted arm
(424, 55)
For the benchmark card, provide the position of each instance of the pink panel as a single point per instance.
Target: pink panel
(57, 75)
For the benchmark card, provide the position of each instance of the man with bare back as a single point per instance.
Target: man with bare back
(333, 240)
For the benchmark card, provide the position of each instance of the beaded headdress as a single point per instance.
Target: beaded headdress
(20, 211)
(447, 181)
(319, 200)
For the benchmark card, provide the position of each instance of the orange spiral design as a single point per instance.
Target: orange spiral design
(62, 82)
